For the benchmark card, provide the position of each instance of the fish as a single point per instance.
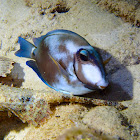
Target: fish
(65, 62)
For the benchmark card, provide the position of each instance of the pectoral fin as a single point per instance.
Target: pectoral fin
(60, 68)
(107, 60)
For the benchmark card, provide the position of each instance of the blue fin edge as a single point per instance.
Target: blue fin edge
(32, 64)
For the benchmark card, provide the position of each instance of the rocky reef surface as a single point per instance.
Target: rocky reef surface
(31, 110)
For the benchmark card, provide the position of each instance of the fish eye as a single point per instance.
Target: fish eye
(84, 55)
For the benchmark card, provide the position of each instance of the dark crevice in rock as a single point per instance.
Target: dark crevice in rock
(60, 9)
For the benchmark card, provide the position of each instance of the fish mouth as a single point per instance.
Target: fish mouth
(102, 84)
(102, 87)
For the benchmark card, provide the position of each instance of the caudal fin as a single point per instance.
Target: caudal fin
(26, 48)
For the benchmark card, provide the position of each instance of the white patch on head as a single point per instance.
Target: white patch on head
(94, 75)
(91, 73)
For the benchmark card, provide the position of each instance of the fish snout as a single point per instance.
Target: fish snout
(102, 87)
(102, 84)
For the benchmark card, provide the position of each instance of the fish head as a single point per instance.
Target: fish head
(89, 69)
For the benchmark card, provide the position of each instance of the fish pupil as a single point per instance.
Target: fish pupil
(83, 57)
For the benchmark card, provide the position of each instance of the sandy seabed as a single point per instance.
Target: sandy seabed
(110, 26)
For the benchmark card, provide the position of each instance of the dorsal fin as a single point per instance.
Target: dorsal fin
(38, 40)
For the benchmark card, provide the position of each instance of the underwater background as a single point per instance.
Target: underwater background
(31, 110)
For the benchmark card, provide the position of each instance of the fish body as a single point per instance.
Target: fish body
(65, 61)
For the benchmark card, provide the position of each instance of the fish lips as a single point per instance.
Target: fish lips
(96, 86)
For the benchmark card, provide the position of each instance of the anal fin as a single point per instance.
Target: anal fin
(32, 64)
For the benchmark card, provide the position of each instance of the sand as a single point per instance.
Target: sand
(105, 25)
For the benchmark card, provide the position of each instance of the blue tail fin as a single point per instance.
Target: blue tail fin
(25, 48)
